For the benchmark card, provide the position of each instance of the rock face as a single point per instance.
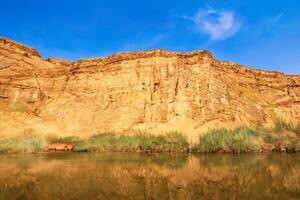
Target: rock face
(154, 91)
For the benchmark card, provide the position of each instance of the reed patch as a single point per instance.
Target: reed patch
(239, 140)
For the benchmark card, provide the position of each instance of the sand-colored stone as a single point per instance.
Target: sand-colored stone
(154, 91)
(59, 147)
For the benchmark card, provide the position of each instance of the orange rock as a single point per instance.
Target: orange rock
(59, 147)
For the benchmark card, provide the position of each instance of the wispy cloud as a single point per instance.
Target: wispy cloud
(218, 24)
(276, 18)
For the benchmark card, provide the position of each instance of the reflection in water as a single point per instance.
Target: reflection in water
(136, 176)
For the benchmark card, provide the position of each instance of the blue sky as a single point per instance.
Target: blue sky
(258, 33)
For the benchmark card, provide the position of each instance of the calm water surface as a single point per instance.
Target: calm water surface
(135, 176)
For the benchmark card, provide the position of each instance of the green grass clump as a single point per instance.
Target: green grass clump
(284, 126)
(237, 141)
(295, 145)
(176, 140)
(27, 142)
(172, 141)
(282, 141)
(290, 144)
(296, 130)
(269, 137)
(52, 139)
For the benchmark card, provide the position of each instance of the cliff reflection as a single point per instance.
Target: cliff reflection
(137, 176)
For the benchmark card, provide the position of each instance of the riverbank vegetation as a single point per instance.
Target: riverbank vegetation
(282, 138)
(27, 142)
(140, 142)
(240, 140)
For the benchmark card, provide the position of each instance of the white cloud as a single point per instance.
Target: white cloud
(276, 18)
(218, 24)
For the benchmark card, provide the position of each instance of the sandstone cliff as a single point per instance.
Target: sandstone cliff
(153, 91)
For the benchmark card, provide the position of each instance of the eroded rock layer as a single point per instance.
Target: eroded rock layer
(154, 91)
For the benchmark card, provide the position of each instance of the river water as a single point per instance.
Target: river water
(71, 176)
